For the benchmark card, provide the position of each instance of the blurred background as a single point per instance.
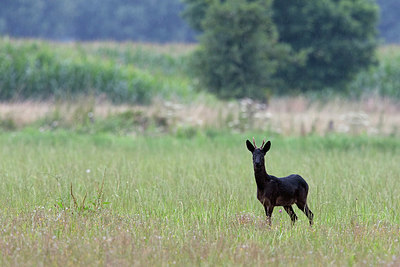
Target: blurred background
(195, 67)
(137, 20)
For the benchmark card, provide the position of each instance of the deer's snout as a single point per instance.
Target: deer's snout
(257, 163)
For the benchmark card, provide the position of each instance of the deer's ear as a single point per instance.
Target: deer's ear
(267, 147)
(250, 147)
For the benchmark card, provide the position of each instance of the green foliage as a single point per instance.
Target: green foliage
(337, 39)
(195, 11)
(34, 71)
(42, 70)
(186, 131)
(383, 79)
(235, 55)
(322, 44)
(43, 66)
(122, 123)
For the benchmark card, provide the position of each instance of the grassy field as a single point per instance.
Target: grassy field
(165, 201)
(90, 181)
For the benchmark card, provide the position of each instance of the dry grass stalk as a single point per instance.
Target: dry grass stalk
(287, 116)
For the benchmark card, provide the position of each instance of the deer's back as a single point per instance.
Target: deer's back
(294, 181)
(284, 191)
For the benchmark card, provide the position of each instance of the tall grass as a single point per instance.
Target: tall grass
(41, 70)
(137, 73)
(178, 201)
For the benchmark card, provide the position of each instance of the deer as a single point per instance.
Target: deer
(273, 191)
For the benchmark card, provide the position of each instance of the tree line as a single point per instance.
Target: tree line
(389, 25)
(139, 20)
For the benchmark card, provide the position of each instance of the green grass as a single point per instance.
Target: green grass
(169, 200)
(128, 73)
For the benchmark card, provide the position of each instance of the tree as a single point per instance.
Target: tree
(336, 38)
(235, 55)
(323, 43)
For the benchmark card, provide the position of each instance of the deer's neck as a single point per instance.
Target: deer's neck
(262, 177)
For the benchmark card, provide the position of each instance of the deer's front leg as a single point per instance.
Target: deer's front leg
(268, 211)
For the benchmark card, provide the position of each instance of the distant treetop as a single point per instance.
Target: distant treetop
(138, 20)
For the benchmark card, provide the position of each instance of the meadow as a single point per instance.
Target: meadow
(76, 199)
(110, 155)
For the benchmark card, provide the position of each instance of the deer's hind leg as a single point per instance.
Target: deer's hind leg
(291, 213)
(304, 208)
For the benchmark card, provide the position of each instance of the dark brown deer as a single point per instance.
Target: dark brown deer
(273, 191)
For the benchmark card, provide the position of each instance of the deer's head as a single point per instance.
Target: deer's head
(258, 152)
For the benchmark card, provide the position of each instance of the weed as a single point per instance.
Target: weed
(92, 205)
